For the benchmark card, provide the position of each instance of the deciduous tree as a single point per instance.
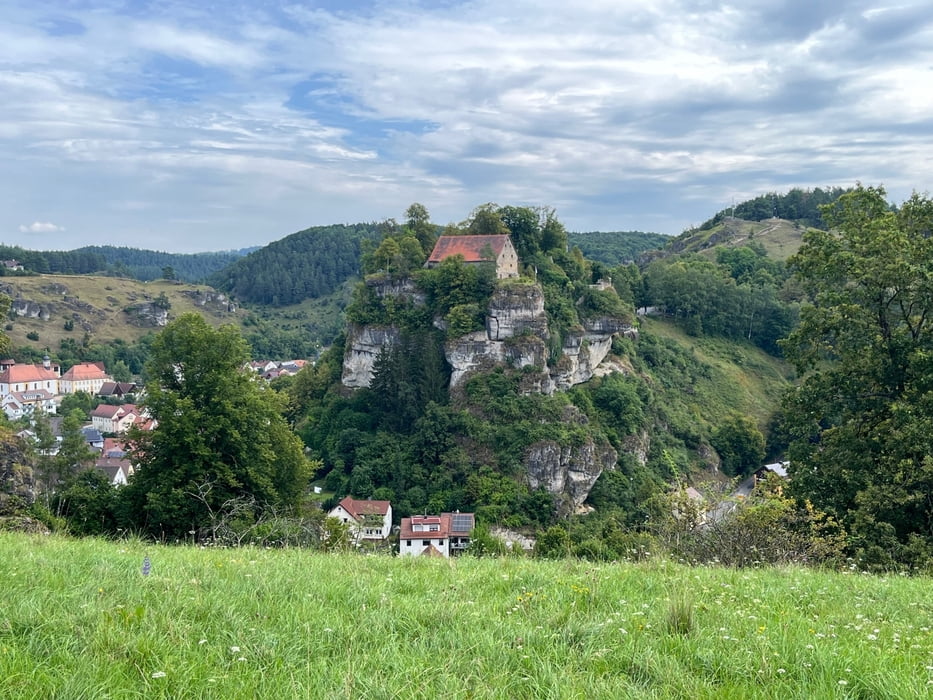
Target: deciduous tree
(216, 424)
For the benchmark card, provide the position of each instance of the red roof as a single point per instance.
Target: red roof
(464, 524)
(26, 373)
(360, 508)
(470, 247)
(85, 371)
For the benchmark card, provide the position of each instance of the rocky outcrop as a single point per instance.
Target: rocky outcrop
(516, 334)
(516, 309)
(215, 301)
(568, 472)
(364, 343)
(17, 481)
(147, 314)
(31, 309)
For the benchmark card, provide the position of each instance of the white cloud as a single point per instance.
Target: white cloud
(40, 227)
(271, 117)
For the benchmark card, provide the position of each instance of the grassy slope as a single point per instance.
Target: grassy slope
(108, 296)
(780, 238)
(742, 378)
(80, 621)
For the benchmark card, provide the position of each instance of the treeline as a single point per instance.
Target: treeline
(148, 265)
(798, 205)
(742, 295)
(616, 247)
(143, 265)
(54, 261)
(305, 265)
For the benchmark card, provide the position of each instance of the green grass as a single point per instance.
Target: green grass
(742, 379)
(79, 620)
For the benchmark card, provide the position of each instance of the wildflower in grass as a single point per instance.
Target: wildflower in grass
(158, 674)
(147, 566)
(843, 682)
(782, 671)
(202, 641)
(234, 650)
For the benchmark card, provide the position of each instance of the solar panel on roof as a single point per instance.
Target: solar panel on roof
(462, 522)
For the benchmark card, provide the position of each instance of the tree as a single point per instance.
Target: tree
(216, 425)
(74, 453)
(740, 445)
(861, 422)
(168, 273)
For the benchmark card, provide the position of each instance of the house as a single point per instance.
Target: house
(19, 378)
(84, 376)
(779, 468)
(12, 264)
(446, 535)
(17, 404)
(114, 463)
(116, 389)
(115, 419)
(478, 249)
(93, 438)
(368, 520)
(118, 471)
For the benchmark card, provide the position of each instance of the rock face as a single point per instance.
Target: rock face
(568, 472)
(364, 343)
(17, 482)
(217, 301)
(147, 314)
(516, 334)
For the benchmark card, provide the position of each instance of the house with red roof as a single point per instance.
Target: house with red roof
(368, 520)
(29, 378)
(84, 376)
(115, 419)
(446, 535)
(496, 249)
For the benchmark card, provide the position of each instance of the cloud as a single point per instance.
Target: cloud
(41, 227)
(199, 129)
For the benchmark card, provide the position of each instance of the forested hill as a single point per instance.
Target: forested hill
(797, 205)
(616, 247)
(146, 265)
(143, 265)
(306, 264)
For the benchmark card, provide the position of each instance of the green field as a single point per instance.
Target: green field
(79, 620)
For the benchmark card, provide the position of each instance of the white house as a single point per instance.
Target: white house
(444, 535)
(115, 419)
(368, 520)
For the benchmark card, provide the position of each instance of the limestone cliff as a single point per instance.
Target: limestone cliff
(516, 334)
(364, 343)
(568, 472)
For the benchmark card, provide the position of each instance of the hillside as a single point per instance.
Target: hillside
(104, 308)
(779, 237)
(80, 619)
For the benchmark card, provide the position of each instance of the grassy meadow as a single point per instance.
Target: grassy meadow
(80, 620)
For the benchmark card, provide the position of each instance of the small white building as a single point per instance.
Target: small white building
(368, 520)
(444, 535)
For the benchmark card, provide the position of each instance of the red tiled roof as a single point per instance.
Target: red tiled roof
(446, 526)
(470, 247)
(360, 508)
(85, 371)
(26, 373)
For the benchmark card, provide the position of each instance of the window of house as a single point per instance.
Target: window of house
(426, 543)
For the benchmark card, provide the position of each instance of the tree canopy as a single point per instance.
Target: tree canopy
(220, 433)
(861, 421)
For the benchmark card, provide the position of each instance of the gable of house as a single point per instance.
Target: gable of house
(497, 249)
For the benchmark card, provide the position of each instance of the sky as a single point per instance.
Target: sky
(221, 124)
